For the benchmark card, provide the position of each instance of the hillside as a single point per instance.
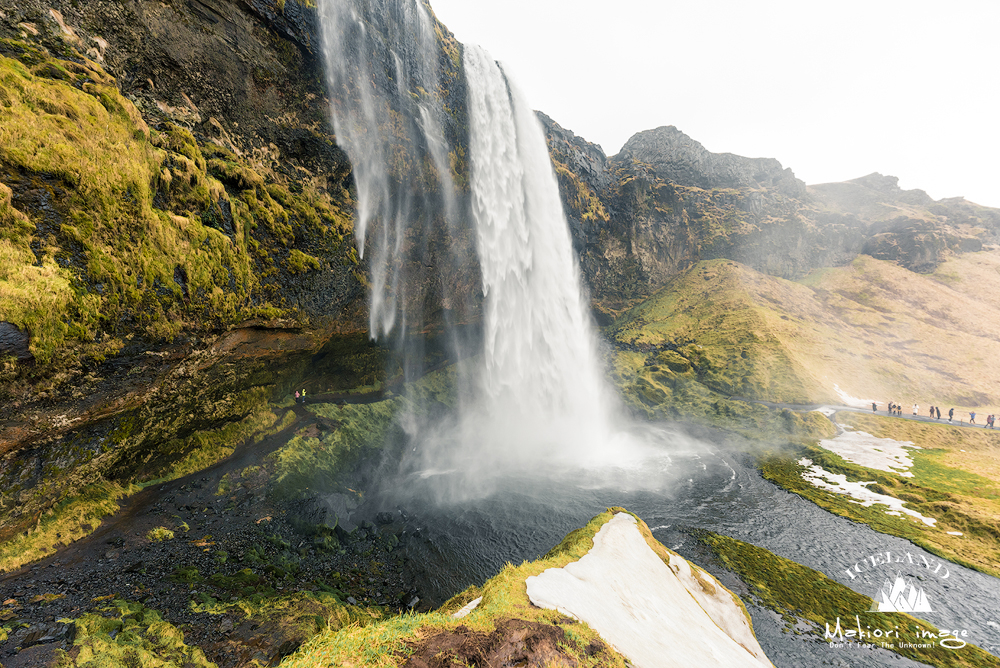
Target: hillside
(872, 329)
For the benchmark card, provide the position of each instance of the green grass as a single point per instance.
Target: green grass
(206, 254)
(797, 592)
(68, 521)
(960, 501)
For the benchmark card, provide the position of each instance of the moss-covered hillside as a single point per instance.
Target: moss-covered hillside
(872, 329)
(112, 228)
(163, 271)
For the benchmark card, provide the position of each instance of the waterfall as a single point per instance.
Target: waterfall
(536, 397)
(540, 379)
(384, 79)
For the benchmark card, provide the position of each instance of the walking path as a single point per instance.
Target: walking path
(839, 407)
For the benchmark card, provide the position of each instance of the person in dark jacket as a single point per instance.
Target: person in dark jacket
(951, 414)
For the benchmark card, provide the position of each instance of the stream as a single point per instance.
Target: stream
(701, 479)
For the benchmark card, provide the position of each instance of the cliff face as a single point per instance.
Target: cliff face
(664, 203)
(677, 158)
(175, 233)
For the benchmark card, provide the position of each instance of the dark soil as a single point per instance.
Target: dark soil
(515, 642)
(242, 529)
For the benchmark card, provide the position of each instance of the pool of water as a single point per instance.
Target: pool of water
(693, 480)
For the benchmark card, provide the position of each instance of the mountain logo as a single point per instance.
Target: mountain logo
(900, 595)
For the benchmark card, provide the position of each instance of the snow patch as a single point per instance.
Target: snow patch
(859, 493)
(467, 608)
(872, 452)
(656, 616)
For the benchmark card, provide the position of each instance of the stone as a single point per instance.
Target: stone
(14, 342)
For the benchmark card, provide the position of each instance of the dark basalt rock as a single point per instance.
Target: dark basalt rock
(14, 342)
(679, 159)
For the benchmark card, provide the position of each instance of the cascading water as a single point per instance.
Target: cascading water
(535, 396)
(382, 63)
(542, 391)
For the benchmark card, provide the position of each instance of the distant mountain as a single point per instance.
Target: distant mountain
(665, 202)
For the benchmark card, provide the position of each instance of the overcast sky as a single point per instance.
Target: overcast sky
(834, 90)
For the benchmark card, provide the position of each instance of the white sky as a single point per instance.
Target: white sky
(834, 90)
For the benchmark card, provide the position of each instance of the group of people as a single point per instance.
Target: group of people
(935, 413)
(300, 398)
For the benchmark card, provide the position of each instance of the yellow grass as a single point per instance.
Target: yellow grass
(874, 329)
(68, 521)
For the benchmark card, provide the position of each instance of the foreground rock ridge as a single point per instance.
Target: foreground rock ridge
(540, 613)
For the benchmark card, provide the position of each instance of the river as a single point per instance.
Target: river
(702, 479)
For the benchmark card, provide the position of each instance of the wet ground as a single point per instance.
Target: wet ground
(237, 544)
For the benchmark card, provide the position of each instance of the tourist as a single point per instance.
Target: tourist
(873, 407)
(932, 412)
(296, 396)
(938, 409)
(972, 418)
(951, 414)
(915, 409)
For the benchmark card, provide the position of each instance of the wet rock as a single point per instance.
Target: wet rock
(40, 634)
(14, 342)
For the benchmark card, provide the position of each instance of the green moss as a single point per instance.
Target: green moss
(709, 317)
(797, 592)
(670, 390)
(129, 634)
(159, 534)
(583, 202)
(209, 446)
(313, 461)
(156, 233)
(299, 262)
(307, 462)
(69, 520)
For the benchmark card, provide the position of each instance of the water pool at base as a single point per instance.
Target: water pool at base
(702, 482)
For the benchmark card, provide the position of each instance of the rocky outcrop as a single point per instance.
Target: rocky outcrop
(677, 158)
(183, 253)
(665, 202)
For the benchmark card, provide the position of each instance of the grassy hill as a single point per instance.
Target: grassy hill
(872, 329)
